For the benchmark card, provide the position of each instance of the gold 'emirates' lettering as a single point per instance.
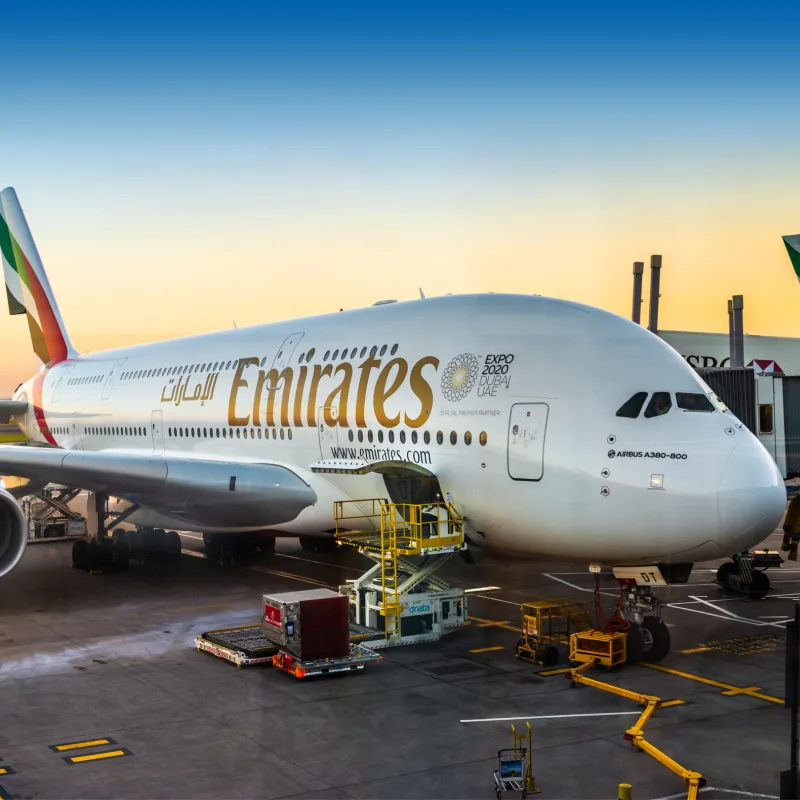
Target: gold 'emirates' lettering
(335, 410)
(422, 390)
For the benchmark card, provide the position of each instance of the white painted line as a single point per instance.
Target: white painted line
(559, 716)
(778, 616)
(496, 599)
(574, 585)
(323, 563)
(699, 599)
(739, 792)
(722, 616)
(482, 589)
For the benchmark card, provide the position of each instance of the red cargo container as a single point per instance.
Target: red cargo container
(309, 624)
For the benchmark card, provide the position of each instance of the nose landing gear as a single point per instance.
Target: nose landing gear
(648, 635)
(744, 574)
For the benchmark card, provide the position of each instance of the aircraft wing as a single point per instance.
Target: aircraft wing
(215, 493)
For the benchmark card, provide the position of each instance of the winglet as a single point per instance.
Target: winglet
(27, 287)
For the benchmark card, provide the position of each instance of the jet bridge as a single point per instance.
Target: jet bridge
(400, 594)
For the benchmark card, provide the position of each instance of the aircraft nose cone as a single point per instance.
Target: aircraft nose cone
(751, 497)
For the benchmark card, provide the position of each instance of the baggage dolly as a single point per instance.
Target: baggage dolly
(354, 661)
(243, 646)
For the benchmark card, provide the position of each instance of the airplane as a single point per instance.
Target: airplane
(556, 429)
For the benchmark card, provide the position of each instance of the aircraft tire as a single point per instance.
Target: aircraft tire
(635, 645)
(266, 544)
(724, 572)
(661, 639)
(211, 542)
(172, 544)
(94, 556)
(79, 554)
(760, 586)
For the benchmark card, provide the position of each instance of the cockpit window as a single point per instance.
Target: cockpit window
(660, 403)
(631, 408)
(690, 401)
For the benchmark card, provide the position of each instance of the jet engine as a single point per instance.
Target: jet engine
(13, 532)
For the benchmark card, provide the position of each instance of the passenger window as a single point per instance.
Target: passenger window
(468, 438)
(427, 437)
(660, 403)
(391, 437)
(383, 350)
(693, 401)
(631, 408)
(403, 437)
(310, 355)
(439, 437)
(765, 418)
(483, 438)
(413, 437)
(380, 436)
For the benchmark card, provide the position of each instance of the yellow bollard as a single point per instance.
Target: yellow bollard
(625, 792)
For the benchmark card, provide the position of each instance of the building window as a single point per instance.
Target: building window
(765, 424)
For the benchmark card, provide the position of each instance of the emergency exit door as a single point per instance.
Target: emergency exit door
(526, 433)
(157, 429)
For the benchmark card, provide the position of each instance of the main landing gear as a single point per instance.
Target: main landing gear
(745, 574)
(114, 552)
(221, 544)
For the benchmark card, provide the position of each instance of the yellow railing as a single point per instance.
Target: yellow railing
(415, 528)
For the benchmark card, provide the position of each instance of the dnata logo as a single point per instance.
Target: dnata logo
(459, 377)
(418, 608)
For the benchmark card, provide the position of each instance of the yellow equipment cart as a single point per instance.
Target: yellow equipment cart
(546, 629)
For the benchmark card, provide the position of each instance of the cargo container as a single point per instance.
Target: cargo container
(310, 624)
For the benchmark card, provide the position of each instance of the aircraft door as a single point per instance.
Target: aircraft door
(112, 376)
(284, 355)
(328, 436)
(77, 440)
(526, 432)
(157, 430)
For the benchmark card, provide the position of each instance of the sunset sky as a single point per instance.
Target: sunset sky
(185, 168)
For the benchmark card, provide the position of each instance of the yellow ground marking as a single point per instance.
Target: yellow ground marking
(750, 691)
(487, 649)
(696, 650)
(78, 745)
(3, 771)
(668, 703)
(97, 756)
(494, 623)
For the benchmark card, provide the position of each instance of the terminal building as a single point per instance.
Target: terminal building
(761, 353)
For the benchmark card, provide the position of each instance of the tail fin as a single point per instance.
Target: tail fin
(27, 286)
(793, 248)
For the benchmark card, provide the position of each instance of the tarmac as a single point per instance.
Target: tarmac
(103, 695)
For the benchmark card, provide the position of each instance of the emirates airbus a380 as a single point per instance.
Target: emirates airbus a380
(557, 429)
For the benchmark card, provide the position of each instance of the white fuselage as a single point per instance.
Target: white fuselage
(510, 401)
